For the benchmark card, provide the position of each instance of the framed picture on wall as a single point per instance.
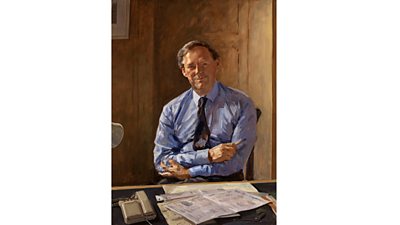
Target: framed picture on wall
(120, 13)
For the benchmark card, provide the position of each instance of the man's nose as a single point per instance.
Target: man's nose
(199, 69)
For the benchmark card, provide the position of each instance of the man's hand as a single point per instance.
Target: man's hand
(222, 152)
(174, 170)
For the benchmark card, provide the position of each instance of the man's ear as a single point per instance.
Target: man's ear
(183, 71)
(218, 64)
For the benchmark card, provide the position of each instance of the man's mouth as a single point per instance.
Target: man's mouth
(201, 78)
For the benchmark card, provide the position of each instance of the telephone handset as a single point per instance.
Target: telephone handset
(137, 209)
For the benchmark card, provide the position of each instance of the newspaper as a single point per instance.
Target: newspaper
(205, 205)
(172, 217)
(185, 194)
(237, 200)
(198, 209)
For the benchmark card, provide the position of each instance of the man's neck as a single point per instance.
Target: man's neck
(202, 93)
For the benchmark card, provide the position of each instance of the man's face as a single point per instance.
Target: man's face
(200, 69)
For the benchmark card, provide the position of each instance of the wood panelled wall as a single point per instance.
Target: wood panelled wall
(145, 75)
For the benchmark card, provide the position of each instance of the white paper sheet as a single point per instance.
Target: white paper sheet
(212, 203)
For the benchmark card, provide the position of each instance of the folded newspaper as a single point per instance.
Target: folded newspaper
(203, 205)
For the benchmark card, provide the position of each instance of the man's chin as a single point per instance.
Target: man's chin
(200, 86)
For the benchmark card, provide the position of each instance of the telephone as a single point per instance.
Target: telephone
(137, 209)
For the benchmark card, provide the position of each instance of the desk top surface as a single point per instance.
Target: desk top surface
(247, 217)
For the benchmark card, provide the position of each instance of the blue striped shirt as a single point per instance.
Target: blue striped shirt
(231, 116)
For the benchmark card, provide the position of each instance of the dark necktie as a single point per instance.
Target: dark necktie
(202, 132)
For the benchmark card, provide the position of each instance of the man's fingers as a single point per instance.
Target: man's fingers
(173, 162)
(228, 150)
(166, 174)
(223, 152)
(174, 165)
(163, 166)
(229, 147)
(229, 155)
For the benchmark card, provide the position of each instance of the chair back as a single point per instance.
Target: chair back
(249, 171)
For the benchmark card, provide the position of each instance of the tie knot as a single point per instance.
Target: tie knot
(202, 101)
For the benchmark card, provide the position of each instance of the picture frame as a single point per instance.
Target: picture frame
(120, 14)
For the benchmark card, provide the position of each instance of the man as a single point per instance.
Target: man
(206, 133)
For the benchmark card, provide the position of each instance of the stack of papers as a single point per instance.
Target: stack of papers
(203, 205)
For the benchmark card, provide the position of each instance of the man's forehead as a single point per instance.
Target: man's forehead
(197, 53)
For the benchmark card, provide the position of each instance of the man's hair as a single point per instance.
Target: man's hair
(190, 45)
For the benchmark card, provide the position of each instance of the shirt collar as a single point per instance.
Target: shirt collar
(210, 96)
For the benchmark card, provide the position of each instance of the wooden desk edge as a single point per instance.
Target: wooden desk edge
(115, 188)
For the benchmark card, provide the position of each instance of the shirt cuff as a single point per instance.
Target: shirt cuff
(195, 171)
(201, 157)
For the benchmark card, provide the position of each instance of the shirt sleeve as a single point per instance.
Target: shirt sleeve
(245, 130)
(167, 145)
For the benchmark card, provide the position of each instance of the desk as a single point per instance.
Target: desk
(246, 217)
